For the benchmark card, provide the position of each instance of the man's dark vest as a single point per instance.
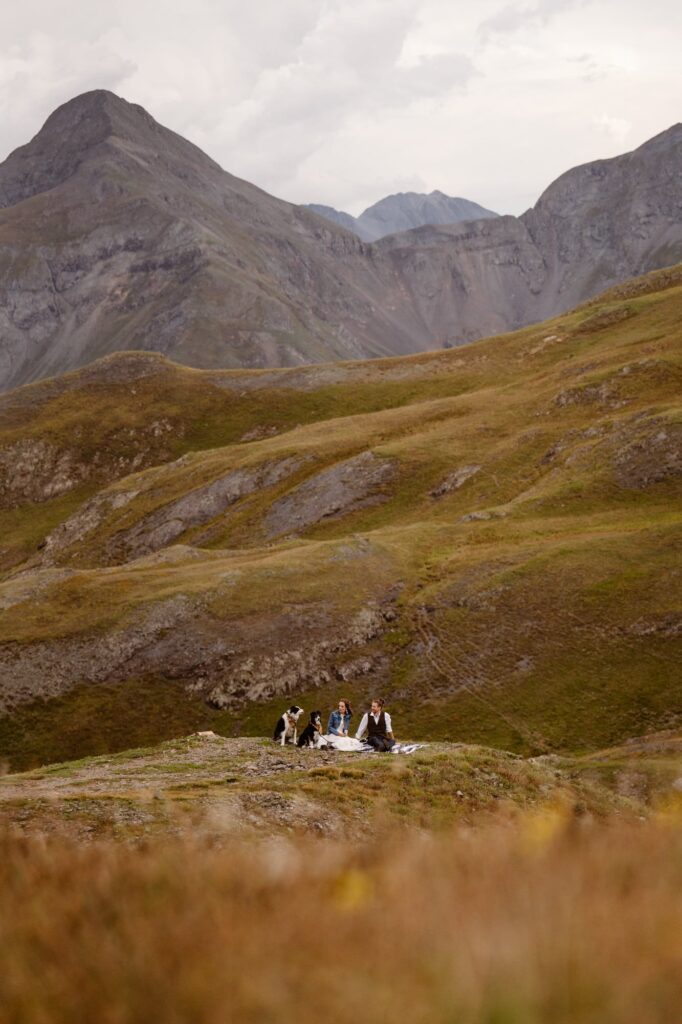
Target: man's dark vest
(376, 728)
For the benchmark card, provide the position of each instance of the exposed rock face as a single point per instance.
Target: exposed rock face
(608, 220)
(333, 492)
(651, 458)
(197, 508)
(83, 522)
(33, 469)
(404, 211)
(117, 234)
(163, 526)
(342, 488)
(227, 663)
(454, 480)
(640, 451)
(296, 669)
(50, 668)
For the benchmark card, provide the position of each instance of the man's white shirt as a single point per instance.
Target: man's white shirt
(362, 728)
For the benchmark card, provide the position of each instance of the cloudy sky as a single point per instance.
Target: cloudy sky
(345, 101)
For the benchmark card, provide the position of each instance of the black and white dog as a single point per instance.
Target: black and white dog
(312, 734)
(286, 728)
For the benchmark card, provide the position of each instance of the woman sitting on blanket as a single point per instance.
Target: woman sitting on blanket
(339, 721)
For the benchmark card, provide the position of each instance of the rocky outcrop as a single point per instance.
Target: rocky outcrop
(297, 669)
(82, 523)
(256, 657)
(336, 491)
(200, 506)
(51, 668)
(646, 452)
(165, 524)
(453, 481)
(166, 252)
(36, 470)
(70, 431)
(637, 453)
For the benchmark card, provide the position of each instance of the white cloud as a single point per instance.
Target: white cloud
(617, 128)
(342, 101)
(39, 73)
(513, 17)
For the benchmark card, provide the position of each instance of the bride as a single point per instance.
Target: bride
(338, 727)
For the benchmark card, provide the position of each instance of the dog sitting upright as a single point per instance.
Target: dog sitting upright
(286, 728)
(312, 734)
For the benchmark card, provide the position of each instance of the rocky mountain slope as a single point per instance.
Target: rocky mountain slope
(489, 536)
(404, 211)
(117, 234)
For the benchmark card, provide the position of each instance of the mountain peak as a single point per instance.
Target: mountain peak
(99, 106)
(403, 211)
(118, 233)
(80, 129)
(72, 131)
(659, 156)
(93, 99)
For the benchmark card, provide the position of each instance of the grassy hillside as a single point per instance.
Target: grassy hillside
(215, 788)
(489, 536)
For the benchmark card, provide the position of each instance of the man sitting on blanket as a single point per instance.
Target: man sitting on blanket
(377, 724)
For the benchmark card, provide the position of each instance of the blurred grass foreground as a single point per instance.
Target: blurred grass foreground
(550, 918)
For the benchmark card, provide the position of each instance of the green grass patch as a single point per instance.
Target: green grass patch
(101, 719)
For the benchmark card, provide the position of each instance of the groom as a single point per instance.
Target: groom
(377, 724)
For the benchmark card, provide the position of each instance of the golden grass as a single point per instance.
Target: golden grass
(548, 920)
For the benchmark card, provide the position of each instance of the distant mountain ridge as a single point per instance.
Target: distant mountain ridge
(404, 211)
(118, 234)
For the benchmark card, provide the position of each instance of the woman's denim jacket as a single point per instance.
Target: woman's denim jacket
(338, 723)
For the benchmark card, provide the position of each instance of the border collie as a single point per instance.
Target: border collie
(286, 728)
(312, 734)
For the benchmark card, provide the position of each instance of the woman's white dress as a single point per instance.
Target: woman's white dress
(343, 742)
